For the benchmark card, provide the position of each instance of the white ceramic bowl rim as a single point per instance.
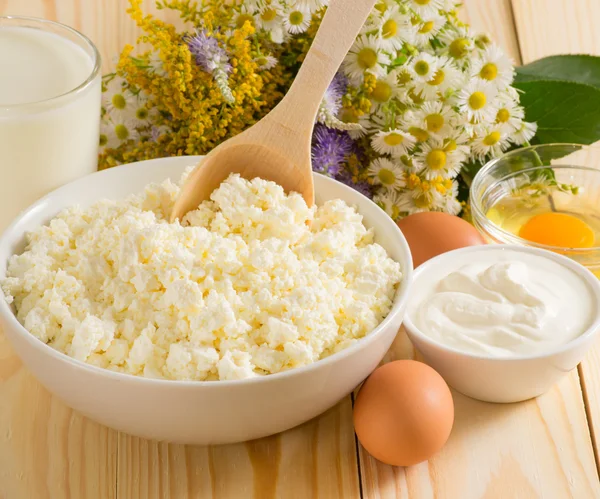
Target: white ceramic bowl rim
(592, 281)
(399, 300)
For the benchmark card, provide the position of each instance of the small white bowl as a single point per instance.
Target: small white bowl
(195, 412)
(502, 379)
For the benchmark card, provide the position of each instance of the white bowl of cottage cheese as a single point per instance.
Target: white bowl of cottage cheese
(251, 316)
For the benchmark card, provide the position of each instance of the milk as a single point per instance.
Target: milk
(48, 131)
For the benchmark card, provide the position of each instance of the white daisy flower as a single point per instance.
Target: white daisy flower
(423, 67)
(119, 99)
(512, 92)
(297, 20)
(447, 77)
(434, 160)
(394, 142)
(458, 44)
(394, 29)
(452, 205)
(270, 19)
(448, 202)
(435, 117)
(492, 141)
(310, 5)
(380, 119)
(142, 113)
(477, 101)
(389, 202)
(428, 29)
(366, 127)
(458, 143)
(386, 88)
(373, 20)
(509, 112)
(524, 133)
(419, 134)
(369, 124)
(494, 66)
(386, 173)
(270, 16)
(251, 4)
(365, 56)
(245, 14)
(265, 62)
(418, 199)
(108, 139)
(425, 8)
(122, 128)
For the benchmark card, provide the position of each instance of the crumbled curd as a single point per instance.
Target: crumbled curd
(251, 283)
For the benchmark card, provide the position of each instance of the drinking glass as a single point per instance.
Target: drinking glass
(47, 142)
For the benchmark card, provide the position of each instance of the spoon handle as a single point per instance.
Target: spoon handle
(339, 28)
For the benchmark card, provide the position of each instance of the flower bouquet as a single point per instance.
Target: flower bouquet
(420, 103)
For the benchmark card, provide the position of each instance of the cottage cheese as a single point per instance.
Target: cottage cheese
(251, 283)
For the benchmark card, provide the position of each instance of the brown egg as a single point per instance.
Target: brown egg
(403, 413)
(430, 234)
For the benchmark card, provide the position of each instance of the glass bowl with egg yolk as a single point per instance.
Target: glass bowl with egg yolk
(545, 196)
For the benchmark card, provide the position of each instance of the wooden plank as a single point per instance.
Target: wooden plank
(566, 26)
(105, 22)
(538, 448)
(46, 449)
(150, 469)
(547, 27)
(493, 17)
(317, 459)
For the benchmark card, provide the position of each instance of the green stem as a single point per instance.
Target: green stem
(539, 162)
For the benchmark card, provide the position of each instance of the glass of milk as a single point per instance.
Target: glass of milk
(50, 88)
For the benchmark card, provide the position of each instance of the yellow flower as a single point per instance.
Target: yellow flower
(186, 99)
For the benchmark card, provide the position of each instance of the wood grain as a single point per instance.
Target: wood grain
(105, 22)
(317, 459)
(538, 448)
(496, 18)
(568, 27)
(548, 27)
(46, 449)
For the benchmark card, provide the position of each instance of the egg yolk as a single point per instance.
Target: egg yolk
(558, 229)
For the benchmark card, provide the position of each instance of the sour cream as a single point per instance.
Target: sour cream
(502, 302)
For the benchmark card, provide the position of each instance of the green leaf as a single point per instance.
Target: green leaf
(565, 111)
(577, 68)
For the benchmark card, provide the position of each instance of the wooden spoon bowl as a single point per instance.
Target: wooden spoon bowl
(277, 148)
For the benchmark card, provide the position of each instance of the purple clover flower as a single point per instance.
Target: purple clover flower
(329, 149)
(207, 52)
(213, 59)
(345, 177)
(332, 100)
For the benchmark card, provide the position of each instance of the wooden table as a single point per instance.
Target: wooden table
(541, 448)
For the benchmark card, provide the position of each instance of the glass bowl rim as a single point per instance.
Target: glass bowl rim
(479, 218)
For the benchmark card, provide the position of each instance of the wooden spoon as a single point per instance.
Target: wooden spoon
(277, 148)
